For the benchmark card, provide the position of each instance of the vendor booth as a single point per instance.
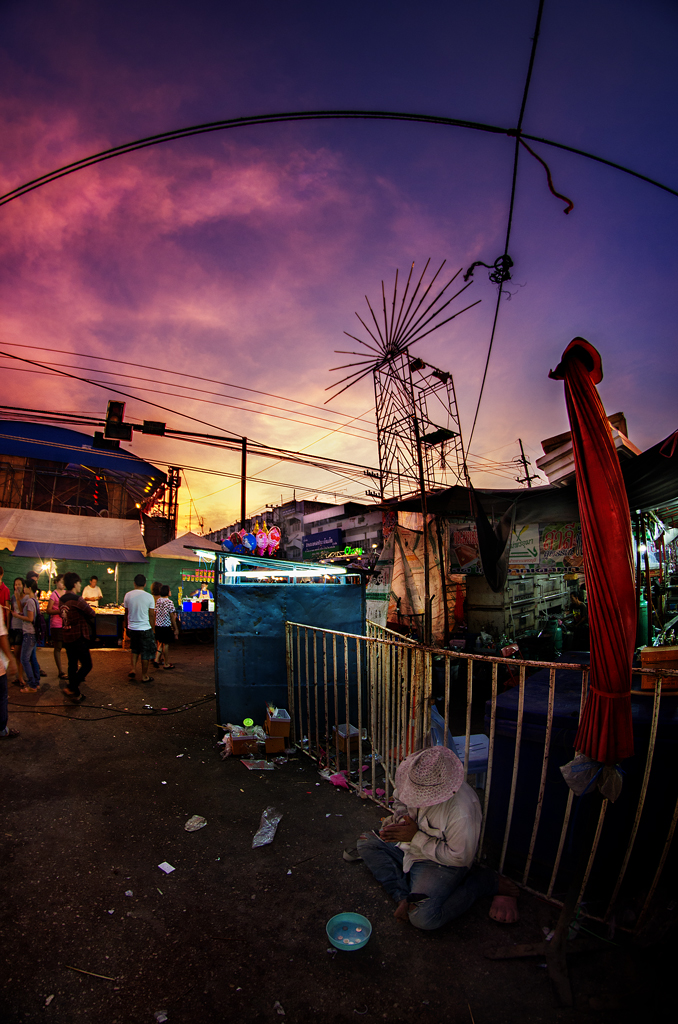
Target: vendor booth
(51, 543)
(190, 577)
(254, 598)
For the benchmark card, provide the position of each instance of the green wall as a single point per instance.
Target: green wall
(168, 570)
(164, 570)
(126, 572)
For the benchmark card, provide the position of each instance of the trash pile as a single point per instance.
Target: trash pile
(253, 740)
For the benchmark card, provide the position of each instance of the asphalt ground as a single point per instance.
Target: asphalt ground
(95, 797)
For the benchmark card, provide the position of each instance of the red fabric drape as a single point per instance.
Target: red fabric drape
(605, 732)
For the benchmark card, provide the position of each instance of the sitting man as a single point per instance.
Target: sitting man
(423, 854)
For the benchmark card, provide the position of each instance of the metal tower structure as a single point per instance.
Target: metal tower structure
(418, 431)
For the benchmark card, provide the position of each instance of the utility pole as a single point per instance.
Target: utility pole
(243, 484)
(522, 458)
(424, 514)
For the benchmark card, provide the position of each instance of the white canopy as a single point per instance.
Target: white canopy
(177, 548)
(52, 528)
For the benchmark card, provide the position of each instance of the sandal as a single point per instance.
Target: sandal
(63, 675)
(131, 675)
(9, 735)
(149, 680)
(29, 689)
(168, 667)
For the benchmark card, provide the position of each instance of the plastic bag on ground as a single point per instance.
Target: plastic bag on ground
(265, 834)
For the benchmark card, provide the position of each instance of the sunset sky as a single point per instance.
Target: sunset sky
(240, 257)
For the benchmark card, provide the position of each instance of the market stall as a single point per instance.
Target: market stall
(51, 543)
(190, 578)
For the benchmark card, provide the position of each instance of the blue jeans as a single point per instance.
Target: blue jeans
(436, 893)
(27, 659)
(3, 702)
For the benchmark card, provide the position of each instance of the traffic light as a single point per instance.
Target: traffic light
(115, 427)
(153, 427)
(106, 444)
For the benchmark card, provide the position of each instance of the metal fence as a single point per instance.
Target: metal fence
(360, 704)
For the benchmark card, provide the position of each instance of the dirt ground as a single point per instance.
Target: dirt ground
(94, 799)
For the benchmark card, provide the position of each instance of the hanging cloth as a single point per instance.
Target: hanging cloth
(606, 732)
(494, 542)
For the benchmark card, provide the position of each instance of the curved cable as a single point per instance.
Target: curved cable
(308, 115)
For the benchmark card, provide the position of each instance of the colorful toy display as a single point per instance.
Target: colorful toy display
(261, 541)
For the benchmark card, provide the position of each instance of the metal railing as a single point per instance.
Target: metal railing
(360, 704)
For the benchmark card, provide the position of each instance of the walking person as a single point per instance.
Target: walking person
(38, 625)
(158, 657)
(139, 623)
(78, 619)
(5, 596)
(166, 628)
(27, 613)
(6, 659)
(16, 633)
(56, 623)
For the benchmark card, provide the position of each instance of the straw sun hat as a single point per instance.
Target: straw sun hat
(429, 777)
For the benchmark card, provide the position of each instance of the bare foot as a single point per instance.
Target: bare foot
(402, 911)
(504, 907)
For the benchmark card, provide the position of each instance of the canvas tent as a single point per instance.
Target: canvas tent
(177, 565)
(51, 535)
(180, 547)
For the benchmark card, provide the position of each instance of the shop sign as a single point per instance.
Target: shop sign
(524, 545)
(560, 546)
(464, 553)
(197, 575)
(329, 540)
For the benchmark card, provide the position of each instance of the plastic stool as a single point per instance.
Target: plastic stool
(478, 754)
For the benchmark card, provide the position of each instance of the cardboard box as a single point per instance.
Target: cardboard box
(659, 657)
(278, 724)
(244, 745)
(275, 744)
(340, 732)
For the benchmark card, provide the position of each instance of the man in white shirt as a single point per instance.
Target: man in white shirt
(139, 623)
(423, 854)
(6, 659)
(92, 593)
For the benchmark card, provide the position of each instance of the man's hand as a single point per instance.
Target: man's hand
(403, 831)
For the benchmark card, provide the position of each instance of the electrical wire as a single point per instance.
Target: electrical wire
(19, 709)
(304, 115)
(516, 154)
(367, 436)
(176, 373)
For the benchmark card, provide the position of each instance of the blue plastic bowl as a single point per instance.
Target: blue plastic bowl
(348, 931)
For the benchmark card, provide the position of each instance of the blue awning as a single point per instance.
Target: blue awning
(46, 549)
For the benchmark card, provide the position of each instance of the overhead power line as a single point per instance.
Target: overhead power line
(255, 448)
(183, 375)
(503, 264)
(304, 115)
(232, 442)
(337, 428)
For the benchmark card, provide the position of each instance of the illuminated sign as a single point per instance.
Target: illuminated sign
(197, 576)
(328, 540)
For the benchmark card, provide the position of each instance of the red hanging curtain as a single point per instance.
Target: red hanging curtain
(606, 732)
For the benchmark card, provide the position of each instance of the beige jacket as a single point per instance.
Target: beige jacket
(448, 832)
